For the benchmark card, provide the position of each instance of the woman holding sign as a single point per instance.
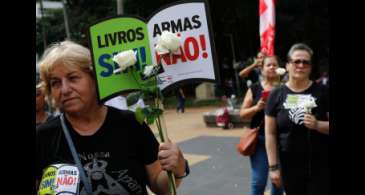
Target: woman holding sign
(297, 128)
(253, 108)
(117, 154)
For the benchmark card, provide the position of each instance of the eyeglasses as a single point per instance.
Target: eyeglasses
(304, 62)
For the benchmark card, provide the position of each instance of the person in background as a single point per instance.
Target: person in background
(252, 72)
(42, 115)
(297, 129)
(253, 108)
(180, 100)
(323, 80)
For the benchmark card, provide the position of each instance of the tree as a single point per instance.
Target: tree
(81, 14)
(54, 26)
(296, 21)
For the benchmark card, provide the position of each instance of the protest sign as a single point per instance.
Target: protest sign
(195, 61)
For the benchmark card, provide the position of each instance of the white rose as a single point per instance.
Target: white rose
(161, 49)
(125, 59)
(309, 105)
(167, 42)
(280, 71)
(148, 70)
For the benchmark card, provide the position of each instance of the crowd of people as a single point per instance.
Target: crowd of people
(253, 108)
(293, 141)
(293, 121)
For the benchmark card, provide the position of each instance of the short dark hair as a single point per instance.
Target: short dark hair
(299, 46)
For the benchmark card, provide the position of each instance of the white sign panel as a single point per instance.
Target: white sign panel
(195, 59)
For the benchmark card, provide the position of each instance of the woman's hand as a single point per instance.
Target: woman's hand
(310, 121)
(275, 177)
(258, 62)
(171, 158)
(260, 105)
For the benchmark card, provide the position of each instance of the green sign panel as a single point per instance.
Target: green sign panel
(107, 39)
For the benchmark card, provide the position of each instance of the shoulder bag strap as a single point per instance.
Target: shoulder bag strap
(87, 184)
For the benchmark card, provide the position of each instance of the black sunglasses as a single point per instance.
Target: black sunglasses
(305, 62)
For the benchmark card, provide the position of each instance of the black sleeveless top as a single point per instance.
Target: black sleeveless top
(257, 89)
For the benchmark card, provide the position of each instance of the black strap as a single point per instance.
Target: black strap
(84, 179)
(262, 122)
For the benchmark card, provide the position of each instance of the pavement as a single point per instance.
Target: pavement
(216, 167)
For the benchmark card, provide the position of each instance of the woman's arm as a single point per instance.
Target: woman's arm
(157, 178)
(311, 122)
(246, 71)
(271, 148)
(170, 159)
(247, 110)
(323, 127)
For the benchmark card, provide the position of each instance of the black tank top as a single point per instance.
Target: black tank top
(257, 89)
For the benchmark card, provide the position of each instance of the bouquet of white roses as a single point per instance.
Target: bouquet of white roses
(167, 43)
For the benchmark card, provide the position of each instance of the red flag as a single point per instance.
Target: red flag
(267, 26)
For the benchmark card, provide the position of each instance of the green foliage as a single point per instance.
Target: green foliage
(150, 92)
(148, 114)
(139, 115)
(54, 28)
(133, 97)
(81, 14)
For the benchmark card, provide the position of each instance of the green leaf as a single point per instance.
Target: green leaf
(148, 93)
(150, 119)
(140, 116)
(152, 89)
(133, 97)
(147, 110)
(157, 112)
(148, 113)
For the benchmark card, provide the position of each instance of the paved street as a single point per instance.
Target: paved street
(216, 167)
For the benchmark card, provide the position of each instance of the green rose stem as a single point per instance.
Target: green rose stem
(162, 130)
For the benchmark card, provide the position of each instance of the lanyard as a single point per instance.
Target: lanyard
(84, 179)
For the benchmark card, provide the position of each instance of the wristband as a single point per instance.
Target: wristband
(274, 167)
(187, 171)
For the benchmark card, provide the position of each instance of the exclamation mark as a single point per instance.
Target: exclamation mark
(202, 42)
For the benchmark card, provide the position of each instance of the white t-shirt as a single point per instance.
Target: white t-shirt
(140, 103)
(119, 102)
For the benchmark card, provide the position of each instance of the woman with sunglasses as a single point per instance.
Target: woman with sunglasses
(297, 129)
